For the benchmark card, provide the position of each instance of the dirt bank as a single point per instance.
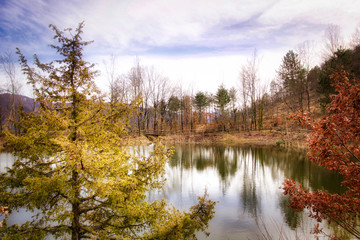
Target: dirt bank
(259, 138)
(295, 139)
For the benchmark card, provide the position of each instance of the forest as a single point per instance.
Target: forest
(252, 105)
(165, 108)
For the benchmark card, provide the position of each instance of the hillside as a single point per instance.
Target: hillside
(6, 100)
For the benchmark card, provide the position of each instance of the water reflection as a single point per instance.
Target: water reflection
(246, 181)
(278, 163)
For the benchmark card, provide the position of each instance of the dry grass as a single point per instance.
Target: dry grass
(255, 138)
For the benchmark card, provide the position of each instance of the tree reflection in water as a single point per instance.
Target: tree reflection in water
(246, 181)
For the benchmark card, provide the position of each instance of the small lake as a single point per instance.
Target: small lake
(245, 180)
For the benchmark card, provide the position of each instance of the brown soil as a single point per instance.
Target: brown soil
(295, 139)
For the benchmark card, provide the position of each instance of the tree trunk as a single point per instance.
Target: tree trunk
(76, 227)
(308, 98)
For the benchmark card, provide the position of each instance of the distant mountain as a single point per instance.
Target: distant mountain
(6, 100)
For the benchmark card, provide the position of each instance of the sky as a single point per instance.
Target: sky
(199, 44)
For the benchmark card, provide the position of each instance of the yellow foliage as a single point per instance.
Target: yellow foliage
(71, 165)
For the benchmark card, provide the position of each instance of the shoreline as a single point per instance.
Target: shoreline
(295, 139)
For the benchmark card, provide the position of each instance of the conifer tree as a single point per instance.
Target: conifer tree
(72, 169)
(201, 101)
(293, 76)
(173, 106)
(222, 99)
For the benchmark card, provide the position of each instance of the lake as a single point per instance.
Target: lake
(245, 180)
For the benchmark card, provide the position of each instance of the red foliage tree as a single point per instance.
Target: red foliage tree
(334, 143)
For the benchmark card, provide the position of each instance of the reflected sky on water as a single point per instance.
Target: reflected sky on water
(246, 181)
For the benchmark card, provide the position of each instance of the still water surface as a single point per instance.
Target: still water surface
(245, 180)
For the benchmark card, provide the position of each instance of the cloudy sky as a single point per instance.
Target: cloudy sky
(200, 43)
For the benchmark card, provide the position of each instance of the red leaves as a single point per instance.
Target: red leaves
(303, 118)
(335, 144)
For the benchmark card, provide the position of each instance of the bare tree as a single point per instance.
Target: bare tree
(136, 80)
(305, 54)
(146, 98)
(233, 99)
(333, 40)
(355, 39)
(118, 84)
(113, 80)
(181, 93)
(249, 81)
(159, 91)
(12, 85)
(245, 96)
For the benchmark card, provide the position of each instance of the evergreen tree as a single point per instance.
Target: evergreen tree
(313, 77)
(173, 106)
(72, 169)
(201, 101)
(293, 76)
(222, 99)
(342, 58)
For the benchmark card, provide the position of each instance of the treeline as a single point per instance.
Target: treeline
(165, 108)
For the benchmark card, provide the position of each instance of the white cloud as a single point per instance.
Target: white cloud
(202, 41)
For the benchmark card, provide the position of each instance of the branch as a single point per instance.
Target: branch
(343, 144)
(350, 229)
(88, 119)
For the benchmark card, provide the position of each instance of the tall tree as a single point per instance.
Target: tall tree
(70, 165)
(159, 92)
(173, 106)
(342, 58)
(201, 101)
(187, 112)
(245, 96)
(333, 40)
(293, 77)
(261, 101)
(136, 80)
(313, 77)
(110, 67)
(163, 113)
(335, 144)
(355, 39)
(305, 55)
(222, 99)
(233, 98)
(249, 83)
